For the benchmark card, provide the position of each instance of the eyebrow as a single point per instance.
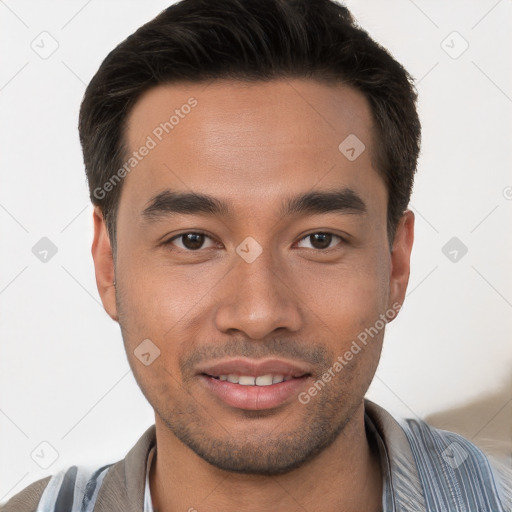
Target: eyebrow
(169, 202)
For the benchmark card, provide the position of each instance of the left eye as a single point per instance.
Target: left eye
(321, 241)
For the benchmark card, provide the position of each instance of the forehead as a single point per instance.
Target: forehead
(249, 140)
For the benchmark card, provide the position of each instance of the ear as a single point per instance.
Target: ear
(104, 264)
(401, 259)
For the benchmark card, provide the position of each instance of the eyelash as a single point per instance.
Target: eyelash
(169, 242)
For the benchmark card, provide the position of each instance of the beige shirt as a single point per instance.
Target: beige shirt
(423, 469)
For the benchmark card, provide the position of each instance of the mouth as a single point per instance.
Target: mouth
(254, 385)
(251, 380)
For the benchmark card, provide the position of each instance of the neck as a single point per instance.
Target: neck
(344, 477)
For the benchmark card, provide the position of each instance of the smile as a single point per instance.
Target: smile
(249, 380)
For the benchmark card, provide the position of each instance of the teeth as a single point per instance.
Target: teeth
(249, 380)
(264, 380)
(245, 380)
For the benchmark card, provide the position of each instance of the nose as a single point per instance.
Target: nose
(257, 299)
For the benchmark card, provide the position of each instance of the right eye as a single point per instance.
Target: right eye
(190, 241)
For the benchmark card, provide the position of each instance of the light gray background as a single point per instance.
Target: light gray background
(64, 375)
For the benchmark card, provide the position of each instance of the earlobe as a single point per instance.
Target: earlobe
(104, 264)
(401, 259)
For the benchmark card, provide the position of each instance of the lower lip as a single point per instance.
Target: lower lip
(254, 398)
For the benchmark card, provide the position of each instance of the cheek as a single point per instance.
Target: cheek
(344, 298)
(163, 302)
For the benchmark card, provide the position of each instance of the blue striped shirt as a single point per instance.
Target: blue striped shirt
(423, 468)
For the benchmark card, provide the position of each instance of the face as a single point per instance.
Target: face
(274, 275)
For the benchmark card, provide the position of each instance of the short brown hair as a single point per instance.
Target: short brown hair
(256, 40)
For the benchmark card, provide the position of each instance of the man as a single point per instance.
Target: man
(251, 163)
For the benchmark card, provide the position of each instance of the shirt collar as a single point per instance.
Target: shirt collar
(148, 504)
(401, 487)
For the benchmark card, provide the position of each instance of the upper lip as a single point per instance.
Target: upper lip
(254, 368)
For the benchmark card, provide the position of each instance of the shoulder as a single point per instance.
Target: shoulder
(28, 499)
(503, 476)
(451, 465)
(444, 470)
(81, 487)
(75, 486)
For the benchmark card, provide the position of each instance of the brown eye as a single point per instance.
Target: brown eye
(321, 241)
(189, 241)
(193, 241)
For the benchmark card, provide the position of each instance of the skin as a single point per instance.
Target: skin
(253, 145)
